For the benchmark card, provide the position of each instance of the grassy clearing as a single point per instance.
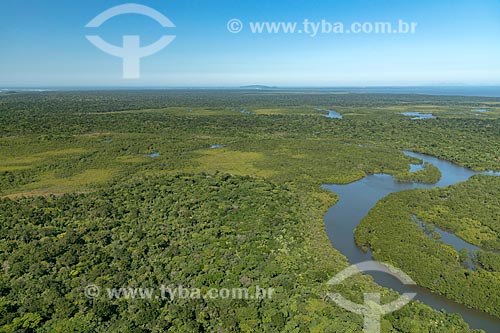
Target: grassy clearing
(233, 162)
(50, 183)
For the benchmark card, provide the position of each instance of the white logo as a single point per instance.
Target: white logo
(372, 310)
(234, 26)
(131, 51)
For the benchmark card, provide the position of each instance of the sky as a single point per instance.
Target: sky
(456, 42)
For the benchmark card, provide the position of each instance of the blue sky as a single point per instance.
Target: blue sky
(456, 42)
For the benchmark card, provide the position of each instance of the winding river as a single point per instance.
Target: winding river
(355, 201)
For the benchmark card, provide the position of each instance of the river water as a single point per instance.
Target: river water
(355, 201)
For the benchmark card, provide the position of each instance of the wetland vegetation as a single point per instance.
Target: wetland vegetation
(83, 202)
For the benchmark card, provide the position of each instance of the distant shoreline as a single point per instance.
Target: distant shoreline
(467, 91)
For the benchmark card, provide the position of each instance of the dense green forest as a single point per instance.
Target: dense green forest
(204, 230)
(123, 188)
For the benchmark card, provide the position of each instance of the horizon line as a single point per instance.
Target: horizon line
(249, 86)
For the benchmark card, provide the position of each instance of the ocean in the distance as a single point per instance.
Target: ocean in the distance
(480, 91)
(487, 91)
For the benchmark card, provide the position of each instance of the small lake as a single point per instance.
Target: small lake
(416, 167)
(156, 154)
(418, 115)
(480, 112)
(216, 146)
(333, 115)
(355, 201)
